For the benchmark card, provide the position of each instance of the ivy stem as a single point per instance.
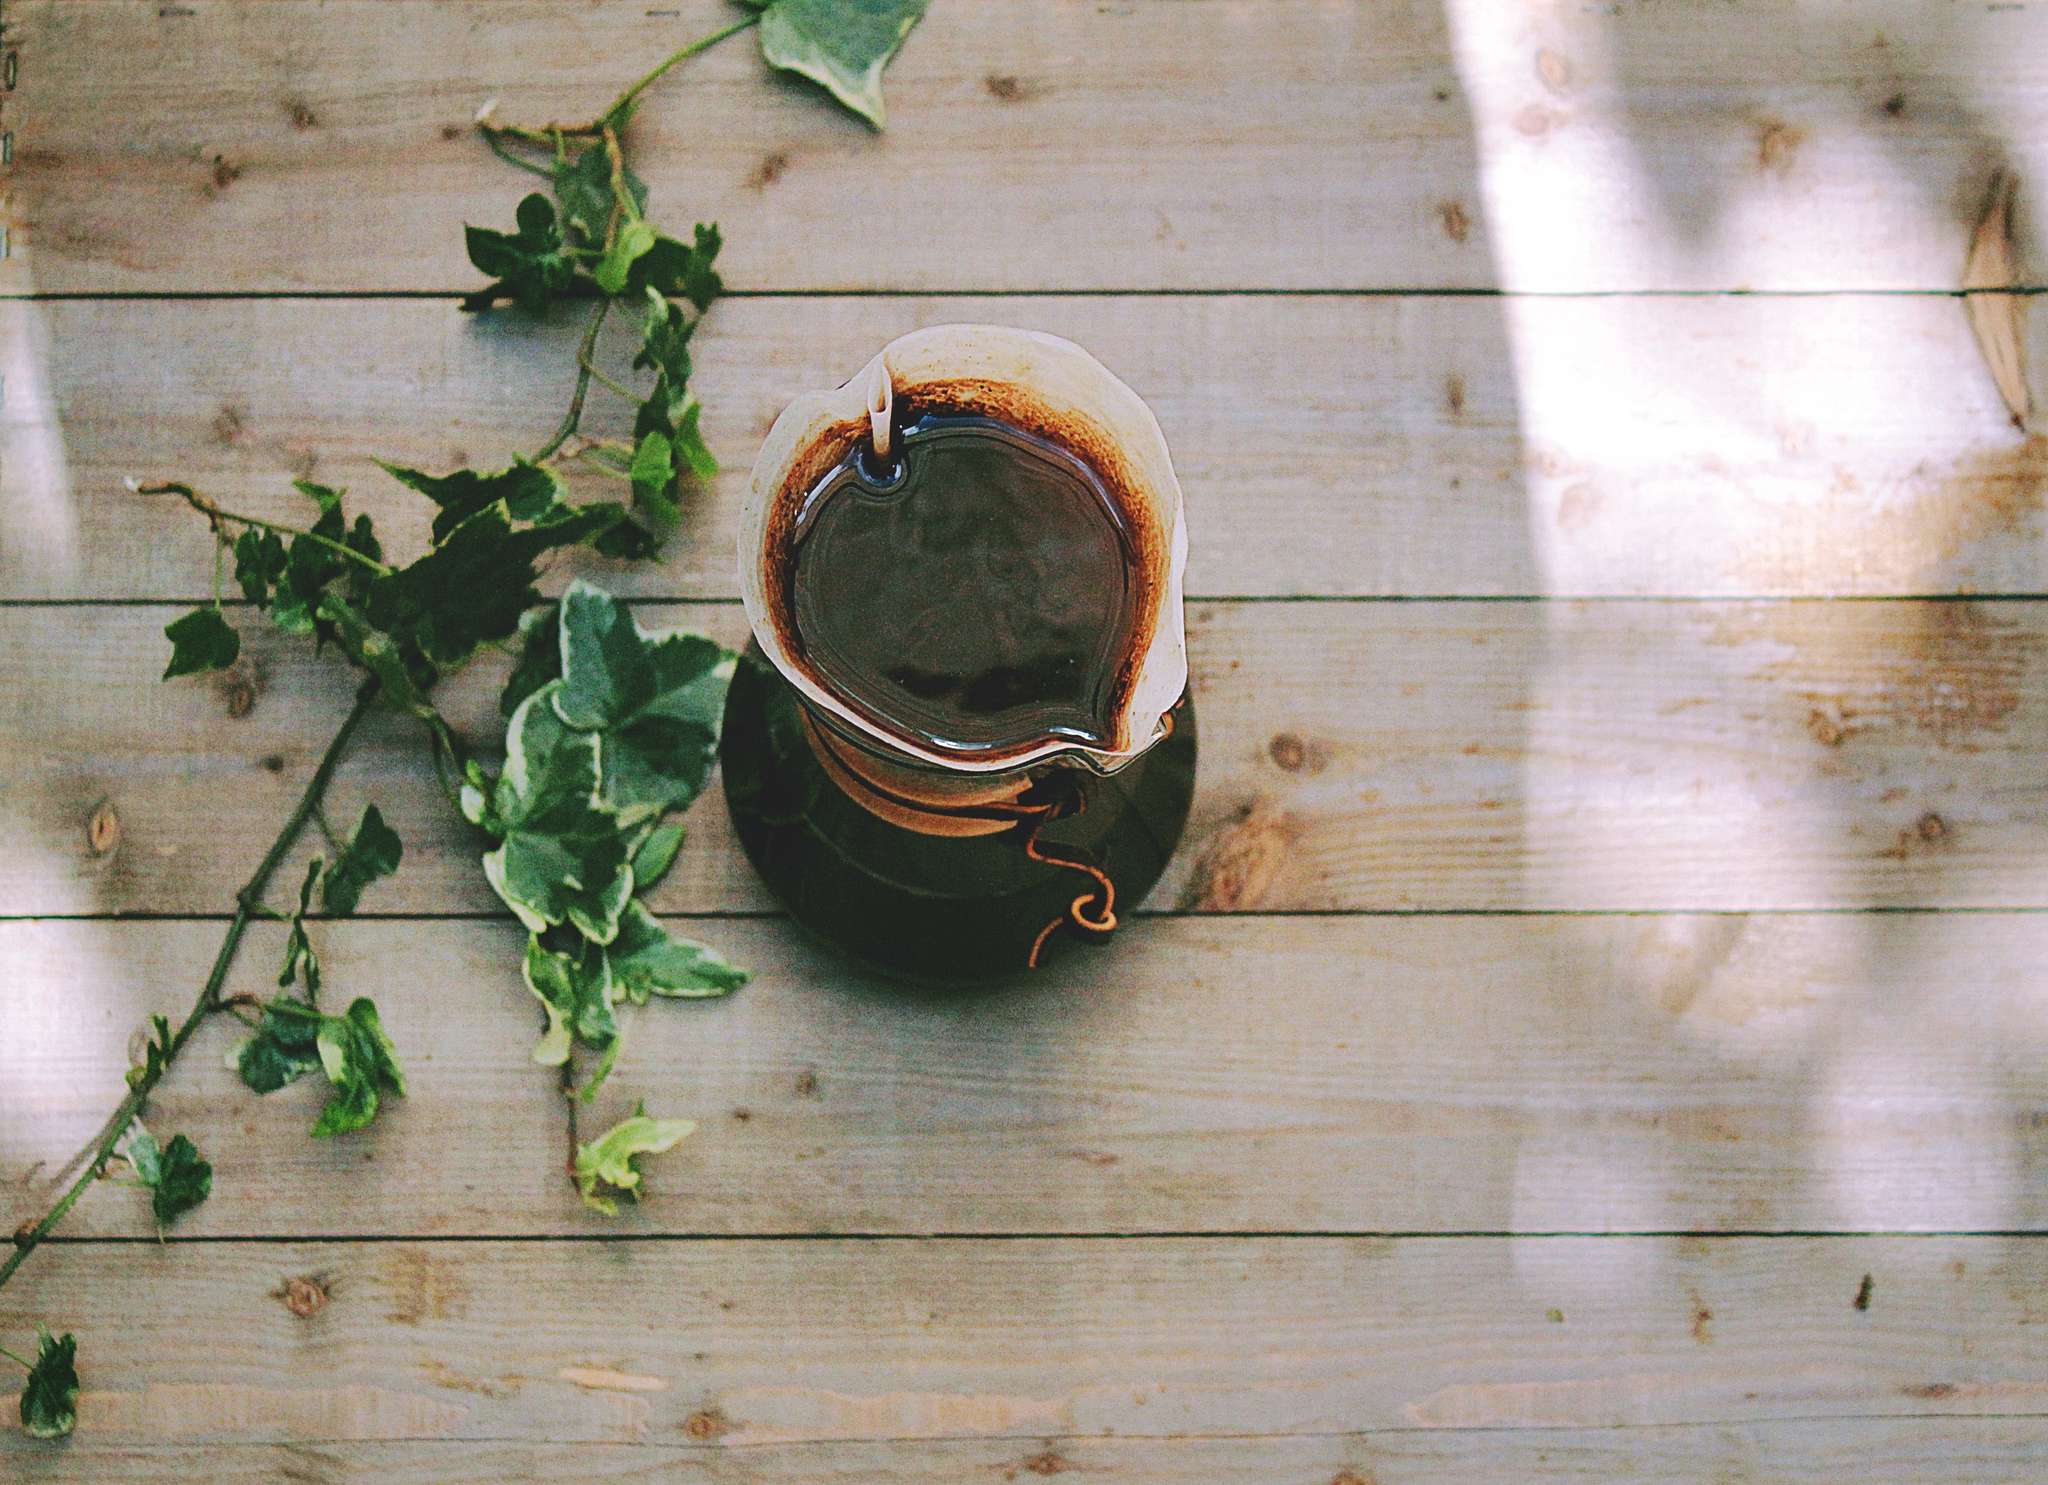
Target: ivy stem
(654, 74)
(215, 515)
(248, 905)
(610, 383)
(574, 416)
(15, 1359)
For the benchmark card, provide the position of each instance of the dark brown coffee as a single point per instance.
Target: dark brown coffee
(974, 596)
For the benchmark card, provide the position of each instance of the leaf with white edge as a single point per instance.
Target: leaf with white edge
(655, 853)
(562, 858)
(201, 641)
(361, 1063)
(540, 658)
(842, 45)
(49, 1403)
(373, 851)
(647, 960)
(573, 982)
(657, 698)
(178, 1178)
(608, 1167)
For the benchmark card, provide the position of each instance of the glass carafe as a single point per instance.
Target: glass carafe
(961, 741)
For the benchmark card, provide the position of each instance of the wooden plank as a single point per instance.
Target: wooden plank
(1036, 145)
(1397, 756)
(1347, 446)
(1947, 1451)
(851, 1343)
(1425, 1075)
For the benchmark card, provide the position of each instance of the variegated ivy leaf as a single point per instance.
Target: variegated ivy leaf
(656, 698)
(573, 982)
(608, 1167)
(562, 859)
(647, 960)
(842, 45)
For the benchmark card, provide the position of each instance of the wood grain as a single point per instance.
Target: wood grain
(1328, 446)
(734, 1344)
(1037, 145)
(1945, 1451)
(1525, 1074)
(1379, 756)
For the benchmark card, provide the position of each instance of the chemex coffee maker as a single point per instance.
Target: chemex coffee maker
(962, 739)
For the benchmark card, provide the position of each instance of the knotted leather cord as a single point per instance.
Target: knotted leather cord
(1083, 912)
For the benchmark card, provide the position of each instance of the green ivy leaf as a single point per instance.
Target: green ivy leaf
(472, 588)
(656, 853)
(177, 1177)
(583, 184)
(259, 563)
(298, 949)
(352, 1049)
(609, 1166)
(842, 45)
(200, 641)
(527, 266)
(658, 698)
(284, 1048)
(646, 960)
(377, 653)
(540, 658)
(562, 858)
(671, 268)
(156, 1052)
(309, 565)
(526, 492)
(652, 471)
(628, 247)
(49, 1403)
(373, 851)
(361, 1063)
(573, 982)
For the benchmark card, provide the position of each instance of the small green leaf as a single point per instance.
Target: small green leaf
(631, 244)
(672, 268)
(583, 184)
(689, 445)
(373, 851)
(156, 1053)
(527, 266)
(842, 45)
(284, 1049)
(177, 1177)
(49, 1403)
(298, 949)
(609, 1166)
(646, 960)
(658, 698)
(259, 563)
(656, 853)
(202, 640)
(361, 1063)
(653, 470)
(573, 983)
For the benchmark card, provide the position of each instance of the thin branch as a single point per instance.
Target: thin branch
(248, 903)
(215, 515)
(574, 416)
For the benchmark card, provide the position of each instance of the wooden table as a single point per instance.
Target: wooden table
(1595, 1028)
